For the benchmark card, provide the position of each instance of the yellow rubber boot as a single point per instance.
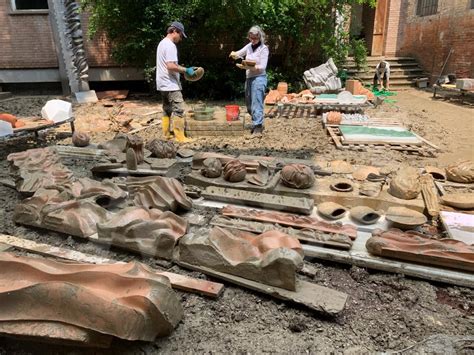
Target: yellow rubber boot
(178, 129)
(165, 126)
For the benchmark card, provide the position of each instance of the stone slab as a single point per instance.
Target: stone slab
(250, 198)
(318, 298)
(460, 226)
(202, 133)
(180, 282)
(197, 179)
(359, 256)
(86, 97)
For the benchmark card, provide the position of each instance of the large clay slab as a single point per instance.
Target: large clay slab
(271, 257)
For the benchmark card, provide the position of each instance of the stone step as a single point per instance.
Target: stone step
(405, 71)
(392, 77)
(388, 59)
(392, 66)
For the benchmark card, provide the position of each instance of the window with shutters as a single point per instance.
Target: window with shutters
(29, 5)
(426, 7)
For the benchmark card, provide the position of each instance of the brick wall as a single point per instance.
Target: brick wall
(98, 49)
(430, 38)
(26, 41)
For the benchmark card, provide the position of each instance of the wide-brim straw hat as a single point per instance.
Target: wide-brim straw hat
(198, 74)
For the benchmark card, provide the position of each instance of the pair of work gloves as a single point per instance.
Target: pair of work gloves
(235, 56)
(190, 71)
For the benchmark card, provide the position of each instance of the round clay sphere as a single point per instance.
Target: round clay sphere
(297, 176)
(234, 171)
(80, 139)
(162, 149)
(212, 168)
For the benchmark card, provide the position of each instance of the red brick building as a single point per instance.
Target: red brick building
(427, 30)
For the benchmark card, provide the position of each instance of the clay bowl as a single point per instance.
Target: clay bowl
(342, 186)
(403, 217)
(464, 201)
(198, 74)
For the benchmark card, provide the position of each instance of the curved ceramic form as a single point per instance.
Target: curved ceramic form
(365, 215)
(331, 210)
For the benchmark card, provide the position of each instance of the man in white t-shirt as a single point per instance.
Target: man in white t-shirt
(168, 82)
(382, 75)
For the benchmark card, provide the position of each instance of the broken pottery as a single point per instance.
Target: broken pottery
(405, 184)
(162, 149)
(416, 247)
(341, 167)
(165, 194)
(297, 176)
(430, 195)
(262, 176)
(371, 189)
(199, 157)
(212, 168)
(234, 171)
(118, 144)
(365, 215)
(437, 173)
(87, 301)
(272, 257)
(147, 231)
(80, 139)
(331, 210)
(405, 217)
(131, 159)
(37, 168)
(136, 143)
(363, 171)
(462, 171)
(342, 186)
(464, 201)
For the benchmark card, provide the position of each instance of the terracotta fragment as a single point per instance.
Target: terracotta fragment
(363, 171)
(199, 157)
(118, 144)
(297, 176)
(415, 247)
(437, 173)
(212, 168)
(149, 232)
(131, 159)
(272, 257)
(80, 139)
(262, 176)
(428, 190)
(288, 219)
(95, 299)
(136, 143)
(365, 215)
(162, 149)
(405, 184)
(405, 217)
(462, 171)
(464, 201)
(341, 167)
(234, 171)
(165, 194)
(331, 210)
(333, 118)
(371, 189)
(36, 168)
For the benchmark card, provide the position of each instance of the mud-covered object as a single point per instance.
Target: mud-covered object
(162, 149)
(297, 176)
(462, 171)
(80, 139)
(212, 168)
(234, 171)
(406, 183)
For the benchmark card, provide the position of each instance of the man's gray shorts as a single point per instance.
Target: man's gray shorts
(173, 103)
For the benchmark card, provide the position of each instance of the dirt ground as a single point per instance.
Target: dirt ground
(385, 312)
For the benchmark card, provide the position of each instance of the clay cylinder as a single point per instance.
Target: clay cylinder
(365, 215)
(297, 176)
(462, 171)
(131, 159)
(234, 171)
(282, 88)
(212, 168)
(331, 210)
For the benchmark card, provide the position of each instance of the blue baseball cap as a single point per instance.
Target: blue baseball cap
(179, 26)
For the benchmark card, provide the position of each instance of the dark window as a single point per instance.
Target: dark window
(472, 4)
(30, 4)
(426, 7)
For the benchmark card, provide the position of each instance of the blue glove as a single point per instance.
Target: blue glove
(190, 71)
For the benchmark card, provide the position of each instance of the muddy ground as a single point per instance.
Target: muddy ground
(385, 312)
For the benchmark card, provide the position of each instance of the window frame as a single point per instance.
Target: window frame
(15, 11)
(472, 5)
(425, 7)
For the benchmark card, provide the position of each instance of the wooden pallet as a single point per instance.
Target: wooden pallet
(373, 121)
(425, 148)
(311, 110)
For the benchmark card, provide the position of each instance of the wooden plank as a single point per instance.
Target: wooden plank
(180, 282)
(335, 138)
(315, 297)
(359, 256)
(435, 147)
(299, 205)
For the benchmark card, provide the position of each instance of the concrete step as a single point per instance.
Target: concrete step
(392, 77)
(5, 95)
(406, 71)
(388, 59)
(406, 65)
